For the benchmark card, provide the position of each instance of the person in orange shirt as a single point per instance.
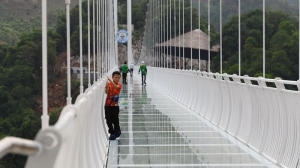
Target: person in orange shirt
(113, 89)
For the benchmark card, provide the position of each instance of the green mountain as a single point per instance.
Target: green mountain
(230, 8)
(18, 16)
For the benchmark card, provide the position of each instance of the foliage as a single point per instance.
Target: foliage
(11, 30)
(139, 8)
(281, 45)
(20, 85)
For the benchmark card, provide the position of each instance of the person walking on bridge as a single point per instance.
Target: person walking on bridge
(113, 89)
(143, 70)
(131, 68)
(124, 69)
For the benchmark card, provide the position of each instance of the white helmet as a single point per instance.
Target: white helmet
(143, 62)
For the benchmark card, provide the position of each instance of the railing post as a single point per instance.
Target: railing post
(51, 141)
(69, 98)
(45, 117)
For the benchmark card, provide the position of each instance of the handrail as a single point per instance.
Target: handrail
(263, 116)
(280, 83)
(19, 146)
(79, 132)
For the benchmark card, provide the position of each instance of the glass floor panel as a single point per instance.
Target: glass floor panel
(157, 132)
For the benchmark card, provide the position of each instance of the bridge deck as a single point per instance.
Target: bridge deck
(159, 132)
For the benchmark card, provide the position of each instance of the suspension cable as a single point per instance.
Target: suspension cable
(69, 98)
(45, 116)
(94, 43)
(175, 35)
(191, 42)
(199, 22)
(80, 46)
(264, 38)
(221, 40)
(170, 42)
(89, 46)
(209, 36)
(183, 34)
(180, 35)
(239, 37)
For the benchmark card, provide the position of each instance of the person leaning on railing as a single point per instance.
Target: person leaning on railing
(113, 89)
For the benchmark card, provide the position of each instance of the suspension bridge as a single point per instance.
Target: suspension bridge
(186, 116)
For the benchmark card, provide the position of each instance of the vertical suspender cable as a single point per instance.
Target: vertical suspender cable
(180, 35)
(151, 33)
(191, 42)
(107, 14)
(170, 34)
(239, 37)
(107, 30)
(94, 44)
(209, 36)
(96, 39)
(156, 33)
(129, 49)
(69, 98)
(45, 117)
(175, 35)
(111, 21)
(101, 31)
(89, 46)
(97, 34)
(105, 35)
(164, 32)
(183, 34)
(161, 33)
(264, 38)
(153, 27)
(167, 33)
(109, 34)
(299, 37)
(102, 44)
(199, 22)
(221, 36)
(116, 31)
(80, 46)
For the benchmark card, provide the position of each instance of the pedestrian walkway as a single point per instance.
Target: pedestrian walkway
(159, 132)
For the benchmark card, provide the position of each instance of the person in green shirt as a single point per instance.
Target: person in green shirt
(124, 69)
(143, 70)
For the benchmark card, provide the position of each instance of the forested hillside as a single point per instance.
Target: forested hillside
(19, 16)
(230, 8)
(281, 45)
(20, 55)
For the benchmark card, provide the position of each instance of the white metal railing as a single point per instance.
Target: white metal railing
(79, 138)
(264, 117)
